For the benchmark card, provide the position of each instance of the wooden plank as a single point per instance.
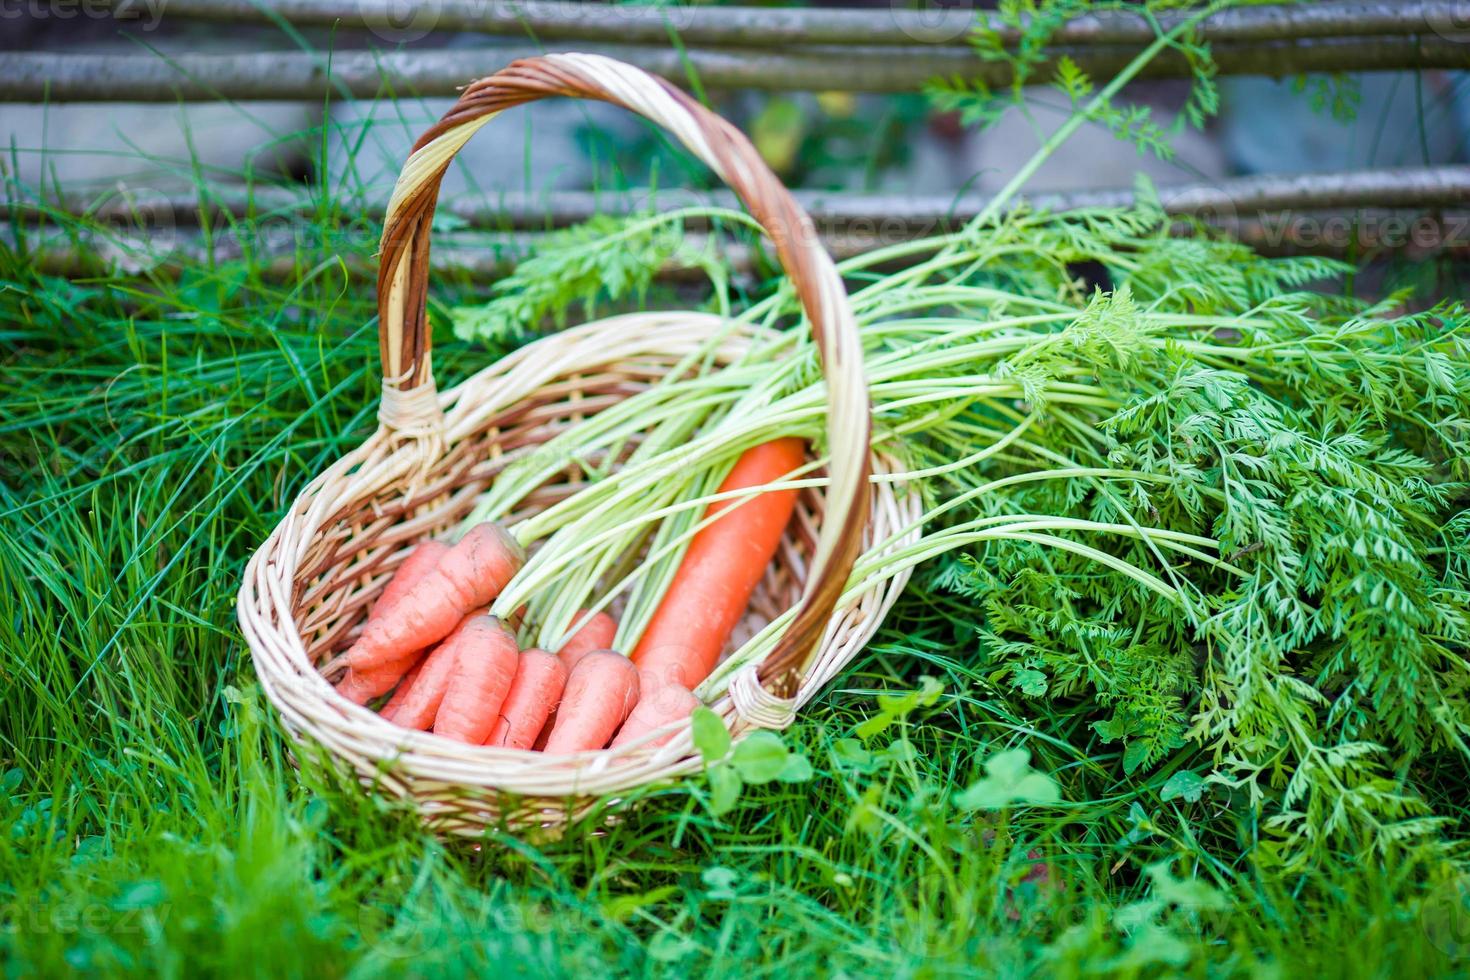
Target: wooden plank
(292, 75)
(766, 27)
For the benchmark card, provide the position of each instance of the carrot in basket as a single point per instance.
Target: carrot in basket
(468, 576)
(362, 686)
(601, 690)
(597, 634)
(484, 668)
(540, 678)
(422, 560)
(399, 696)
(725, 561)
(540, 744)
(655, 709)
(421, 703)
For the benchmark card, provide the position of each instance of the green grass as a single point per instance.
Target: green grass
(152, 429)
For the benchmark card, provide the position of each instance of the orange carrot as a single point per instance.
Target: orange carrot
(656, 709)
(468, 576)
(725, 561)
(421, 703)
(596, 635)
(600, 692)
(396, 701)
(362, 686)
(419, 563)
(540, 678)
(484, 668)
(550, 726)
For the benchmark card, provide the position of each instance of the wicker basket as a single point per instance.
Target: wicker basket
(307, 589)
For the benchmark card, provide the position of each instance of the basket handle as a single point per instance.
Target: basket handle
(409, 405)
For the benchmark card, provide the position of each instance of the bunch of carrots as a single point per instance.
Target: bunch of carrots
(457, 671)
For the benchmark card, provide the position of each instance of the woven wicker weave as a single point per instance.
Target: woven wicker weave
(307, 589)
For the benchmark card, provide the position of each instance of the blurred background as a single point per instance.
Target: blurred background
(828, 141)
(71, 133)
